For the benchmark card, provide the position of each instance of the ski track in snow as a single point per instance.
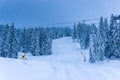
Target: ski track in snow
(66, 63)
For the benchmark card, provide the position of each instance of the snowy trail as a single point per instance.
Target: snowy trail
(66, 63)
(72, 65)
(65, 50)
(67, 54)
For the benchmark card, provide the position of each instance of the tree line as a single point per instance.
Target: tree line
(102, 40)
(36, 40)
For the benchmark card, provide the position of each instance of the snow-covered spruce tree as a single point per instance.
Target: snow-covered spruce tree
(43, 42)
(83, 35)
(48, 42)
(116, 40)
(61, 32)
(32, 41)
(93, 43)
(97, 48)
(29, 38)
(13, 44)
(115, 36)
(79, 32)
(74, 32)
(37, 42)
(1, 30)
(4, 41)
(67, 32)
(105, 35)
(101, 39)
(54, 31)
(24, 41)
(20, 40)
(19, 31)
(87, 37)
(111, 30)
(100, 48)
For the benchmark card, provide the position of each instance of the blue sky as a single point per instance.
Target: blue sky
(44, 12)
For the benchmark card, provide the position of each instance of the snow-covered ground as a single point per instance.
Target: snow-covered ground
(66, 63)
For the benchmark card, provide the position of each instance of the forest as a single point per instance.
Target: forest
(102, 40)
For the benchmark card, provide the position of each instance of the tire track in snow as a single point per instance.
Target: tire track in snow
(111, 73)
(67, 72)
(94, 73)
(58, 72)
(74, 73)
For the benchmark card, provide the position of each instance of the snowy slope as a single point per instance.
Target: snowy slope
(66, 63)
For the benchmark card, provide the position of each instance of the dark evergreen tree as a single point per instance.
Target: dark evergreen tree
(93, 53)
(74, 33)
(19, 35)
(106, 35)
(83, 36)
(24, 41)
(4, 41)
(115, 33)
(32, 41)
(13, 44)
(48, 42)
(101, 39)
(37, 43)
(110, 46)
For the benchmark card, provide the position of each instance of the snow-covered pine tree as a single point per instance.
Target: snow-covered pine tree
(60, 32)
(74, 32)
(49, 42)
(118, 39)
(13, 44)
(67, 31)
(42, 40)
(4, 41)
(54, 32)
(105, 35)
(32, 41)
(83, 35)
(93, 44)
(1, 30)
(37, 42)
(24, 41)
(87, 36)
(110, 46)
(19, 31)
(116, 42)
(79, 31)
(101, 40)
(100, 48)
(28, 38)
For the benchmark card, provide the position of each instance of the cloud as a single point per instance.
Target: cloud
(54, 11)
(113, 6)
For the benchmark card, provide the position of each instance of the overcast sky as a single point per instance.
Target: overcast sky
(43, 12)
